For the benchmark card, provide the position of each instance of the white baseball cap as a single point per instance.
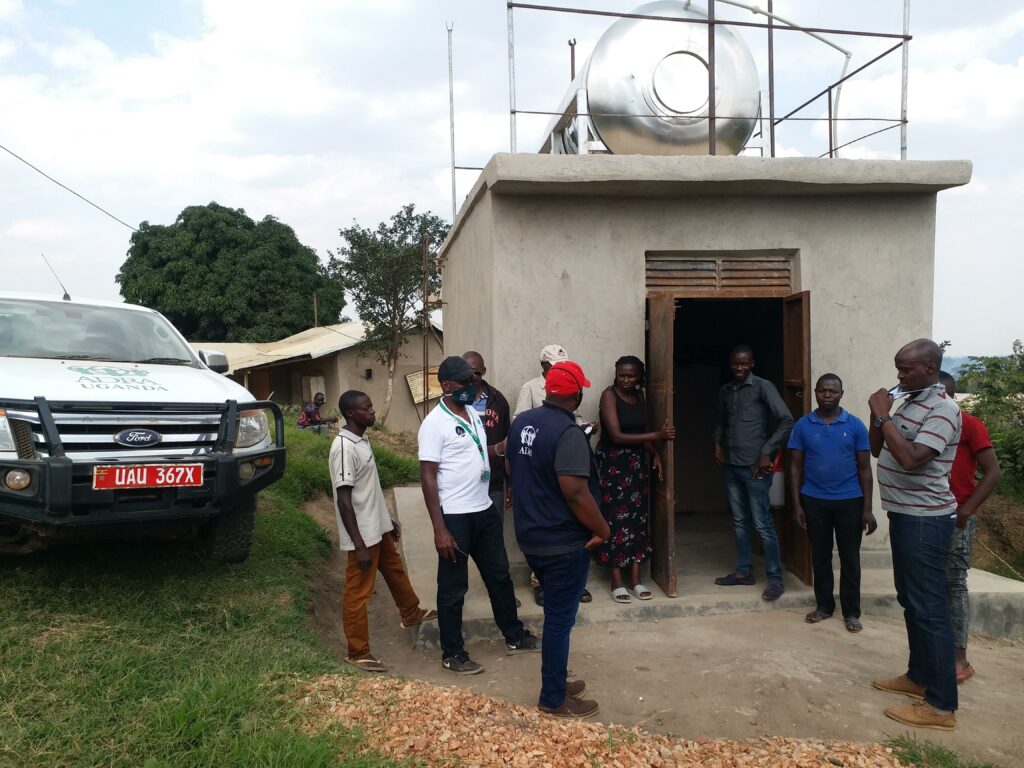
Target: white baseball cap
(552, 353)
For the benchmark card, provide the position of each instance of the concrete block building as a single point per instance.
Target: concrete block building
(820, 265)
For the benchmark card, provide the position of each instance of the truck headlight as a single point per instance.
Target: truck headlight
(253, 428)
(7, 435)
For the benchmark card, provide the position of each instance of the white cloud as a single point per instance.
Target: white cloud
(40, 228)
(976, 188)
(965, 44)
(981, 93)
(11, 10)
(861, 152)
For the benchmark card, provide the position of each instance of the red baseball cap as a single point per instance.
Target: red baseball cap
(565, 378)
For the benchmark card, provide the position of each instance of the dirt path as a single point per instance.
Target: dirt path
(737, 676)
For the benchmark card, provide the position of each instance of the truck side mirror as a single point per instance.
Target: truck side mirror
(214, 360)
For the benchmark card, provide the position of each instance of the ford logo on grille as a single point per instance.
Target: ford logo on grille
(137, 438)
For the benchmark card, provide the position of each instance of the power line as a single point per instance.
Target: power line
(69, 189)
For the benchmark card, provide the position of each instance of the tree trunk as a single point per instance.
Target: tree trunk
(392, 364)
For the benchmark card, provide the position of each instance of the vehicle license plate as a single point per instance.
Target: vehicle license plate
(147, 476)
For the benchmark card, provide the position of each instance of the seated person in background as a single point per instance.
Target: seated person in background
(310, 417)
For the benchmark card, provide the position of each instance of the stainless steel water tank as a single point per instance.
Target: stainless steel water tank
(645, 88)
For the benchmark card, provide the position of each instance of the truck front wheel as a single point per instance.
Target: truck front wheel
(229, 535)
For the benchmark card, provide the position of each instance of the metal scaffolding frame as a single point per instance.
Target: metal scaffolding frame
(774, 23)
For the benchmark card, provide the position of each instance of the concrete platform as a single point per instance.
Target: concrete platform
(704, 550)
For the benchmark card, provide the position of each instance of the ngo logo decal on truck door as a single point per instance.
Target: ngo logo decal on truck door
(137, 438)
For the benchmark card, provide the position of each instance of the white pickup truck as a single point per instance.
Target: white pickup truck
(110, 426)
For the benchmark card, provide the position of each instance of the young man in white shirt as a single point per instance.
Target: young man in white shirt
(455, 475)
(367, 532)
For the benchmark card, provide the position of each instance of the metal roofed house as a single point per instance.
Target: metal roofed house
(327, 359)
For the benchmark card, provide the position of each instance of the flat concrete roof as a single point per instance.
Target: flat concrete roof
(707, 176)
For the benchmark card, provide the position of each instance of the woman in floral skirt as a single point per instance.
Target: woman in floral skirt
(626, 453)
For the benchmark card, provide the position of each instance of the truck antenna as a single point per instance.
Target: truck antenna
(67, 296)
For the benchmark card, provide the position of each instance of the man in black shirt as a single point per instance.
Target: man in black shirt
(494, 413)
(751, 425)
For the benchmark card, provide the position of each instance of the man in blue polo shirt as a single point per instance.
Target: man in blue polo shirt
(831, 483)
(556, 487)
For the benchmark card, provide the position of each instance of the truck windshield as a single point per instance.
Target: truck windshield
(65, 331)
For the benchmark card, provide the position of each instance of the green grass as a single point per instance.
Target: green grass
(927, 755)
(135, 654)
(307, 464)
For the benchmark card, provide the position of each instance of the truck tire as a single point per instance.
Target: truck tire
(229, 535)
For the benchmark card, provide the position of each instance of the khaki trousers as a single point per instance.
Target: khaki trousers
(359, 586)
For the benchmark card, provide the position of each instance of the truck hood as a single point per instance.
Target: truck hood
(24, 378)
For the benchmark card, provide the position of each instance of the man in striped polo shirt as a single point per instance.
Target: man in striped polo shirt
(915, 447)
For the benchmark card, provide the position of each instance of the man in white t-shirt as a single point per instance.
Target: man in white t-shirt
(455, 475)
(367, 532)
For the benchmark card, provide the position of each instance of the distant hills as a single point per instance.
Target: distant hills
(952, 365)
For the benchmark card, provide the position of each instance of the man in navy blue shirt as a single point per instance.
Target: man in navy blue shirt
(830, 479)
(556, 487)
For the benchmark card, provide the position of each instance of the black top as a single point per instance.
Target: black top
(543, 444)
(496, 422)
(632, 419)
(751, 419)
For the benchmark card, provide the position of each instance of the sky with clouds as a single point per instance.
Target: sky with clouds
(321, 112)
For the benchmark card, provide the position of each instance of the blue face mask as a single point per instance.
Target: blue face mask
(465, 395)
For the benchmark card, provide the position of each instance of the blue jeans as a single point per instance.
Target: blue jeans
(563, 578)
(748, 501)
(919, 550)
(481, 536)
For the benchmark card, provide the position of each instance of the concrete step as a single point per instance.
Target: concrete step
(703, 552)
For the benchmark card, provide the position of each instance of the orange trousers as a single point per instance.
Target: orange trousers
(359, 586)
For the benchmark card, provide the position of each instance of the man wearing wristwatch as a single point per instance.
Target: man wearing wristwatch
(915, 447)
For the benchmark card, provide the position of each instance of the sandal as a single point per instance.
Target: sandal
(367, 664)
(621, 595)
(817, 615)
(426, 614)
(963, 674)
(586, 597)
(642, 592)
(852, 624)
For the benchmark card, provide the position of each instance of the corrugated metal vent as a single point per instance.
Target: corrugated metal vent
(767, 274)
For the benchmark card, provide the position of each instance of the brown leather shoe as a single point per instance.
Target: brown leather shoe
(572, 708)
(921, 714)
(575, 689)
(901, 684)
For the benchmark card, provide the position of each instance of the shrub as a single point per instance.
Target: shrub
(996, 385)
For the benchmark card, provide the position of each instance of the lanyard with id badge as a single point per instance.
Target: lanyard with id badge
(485, 471)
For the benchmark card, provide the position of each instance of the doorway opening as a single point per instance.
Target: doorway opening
(706, 330)
(689, 340)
